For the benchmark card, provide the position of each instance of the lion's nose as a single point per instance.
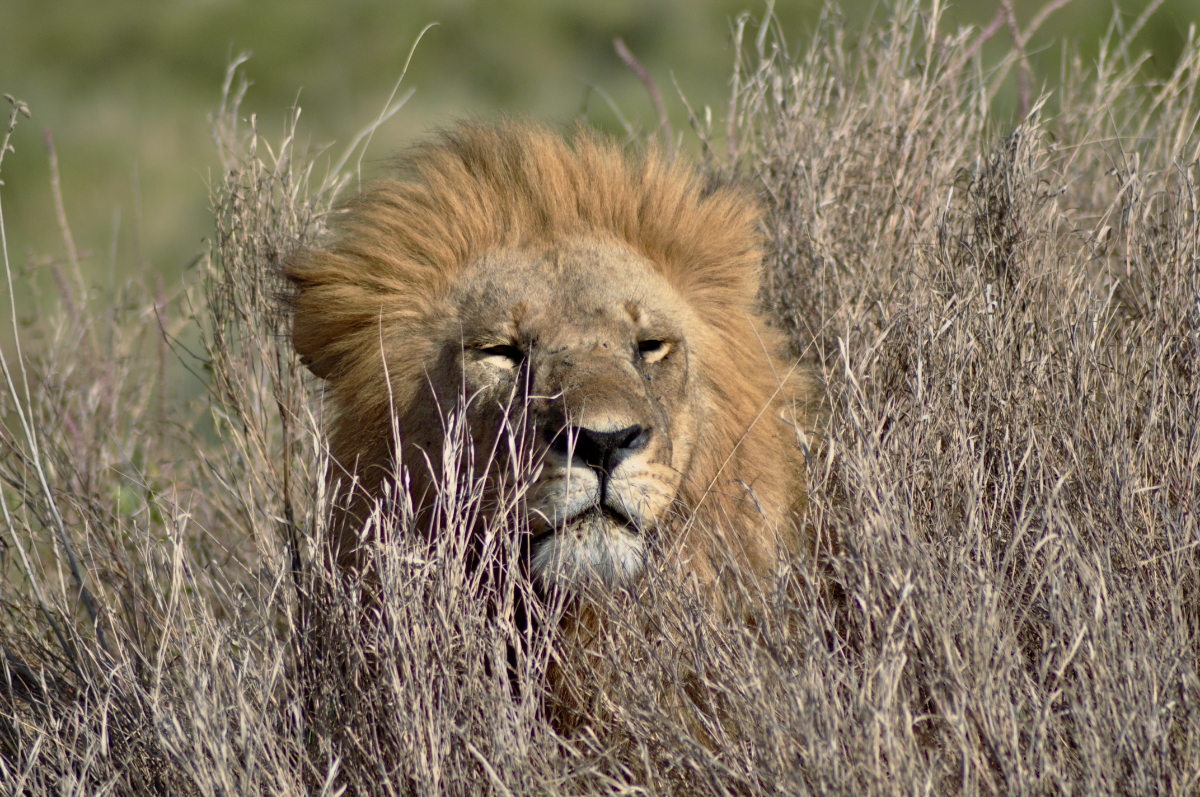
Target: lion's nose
(601, 450)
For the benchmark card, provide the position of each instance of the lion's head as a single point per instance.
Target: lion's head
(593, 310)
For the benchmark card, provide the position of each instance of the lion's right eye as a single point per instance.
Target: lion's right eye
(651, 351)
(504, 356)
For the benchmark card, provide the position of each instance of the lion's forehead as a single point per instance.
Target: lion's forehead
(580, 291)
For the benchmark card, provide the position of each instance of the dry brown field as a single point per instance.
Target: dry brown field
(1004, 598)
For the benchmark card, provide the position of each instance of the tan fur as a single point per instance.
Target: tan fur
(465, 233)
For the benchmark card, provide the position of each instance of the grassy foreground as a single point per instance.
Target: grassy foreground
(1008, 320)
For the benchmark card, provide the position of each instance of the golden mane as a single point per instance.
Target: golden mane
(369, 296)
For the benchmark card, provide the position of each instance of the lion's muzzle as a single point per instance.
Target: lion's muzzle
(602, 451)
(602, 488)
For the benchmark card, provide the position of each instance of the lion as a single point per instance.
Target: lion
(596, 307)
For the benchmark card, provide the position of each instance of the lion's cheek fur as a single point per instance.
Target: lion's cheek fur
(744, 476)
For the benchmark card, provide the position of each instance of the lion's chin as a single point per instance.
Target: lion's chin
(592, 548)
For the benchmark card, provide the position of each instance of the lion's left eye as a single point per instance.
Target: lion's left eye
(506, 356)
(652, 351)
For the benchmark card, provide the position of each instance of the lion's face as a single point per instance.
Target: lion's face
(580, 352)
(595, 310)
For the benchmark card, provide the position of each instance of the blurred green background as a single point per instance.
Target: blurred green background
(125, 87)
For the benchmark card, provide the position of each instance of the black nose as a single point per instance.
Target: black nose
(601, 450)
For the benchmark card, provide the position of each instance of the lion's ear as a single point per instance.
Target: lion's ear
(331, 305)
(318, 368)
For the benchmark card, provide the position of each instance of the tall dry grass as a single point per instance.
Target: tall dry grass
(1008, 321)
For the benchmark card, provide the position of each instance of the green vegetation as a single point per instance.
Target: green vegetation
(126, 86)
(1007, 317)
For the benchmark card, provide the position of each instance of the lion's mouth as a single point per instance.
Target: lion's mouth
(597, 513)
(614, 516)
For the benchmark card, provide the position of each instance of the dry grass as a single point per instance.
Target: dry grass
(1009, 324)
